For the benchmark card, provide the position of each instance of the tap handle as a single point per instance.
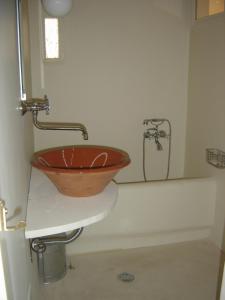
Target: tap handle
(146, 121)
(47, 108)
(34, 105)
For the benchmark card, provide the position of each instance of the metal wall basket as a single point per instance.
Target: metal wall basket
(216, 158)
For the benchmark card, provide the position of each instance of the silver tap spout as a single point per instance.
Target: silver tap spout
(59, 126)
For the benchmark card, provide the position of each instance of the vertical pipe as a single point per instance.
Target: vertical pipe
(20, 51)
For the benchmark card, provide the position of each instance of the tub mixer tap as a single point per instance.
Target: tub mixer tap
(155, 133)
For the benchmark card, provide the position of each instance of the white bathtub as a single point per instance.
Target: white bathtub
(153, 213)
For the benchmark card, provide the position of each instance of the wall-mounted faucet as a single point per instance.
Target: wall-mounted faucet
(35, 105)
(155, 133)
(59, 126)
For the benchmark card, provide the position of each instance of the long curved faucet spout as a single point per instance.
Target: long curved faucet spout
(59, 126)
(35, 105)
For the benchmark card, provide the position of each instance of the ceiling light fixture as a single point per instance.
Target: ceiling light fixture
(57, 8)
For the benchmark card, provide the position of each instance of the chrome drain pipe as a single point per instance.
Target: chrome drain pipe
(56, 239)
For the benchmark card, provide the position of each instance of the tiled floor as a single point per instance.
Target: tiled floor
(186, 271)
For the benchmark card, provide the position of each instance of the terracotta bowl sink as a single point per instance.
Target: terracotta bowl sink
(80, 171)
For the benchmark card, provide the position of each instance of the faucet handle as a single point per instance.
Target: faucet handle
(34, 104)
(145, 122)
(47, 108)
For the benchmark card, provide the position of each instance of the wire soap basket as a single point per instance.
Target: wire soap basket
(216, 158)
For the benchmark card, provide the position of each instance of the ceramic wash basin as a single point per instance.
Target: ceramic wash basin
(80, 171)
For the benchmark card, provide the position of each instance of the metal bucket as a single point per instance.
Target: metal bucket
(52, 262)
(51, 255)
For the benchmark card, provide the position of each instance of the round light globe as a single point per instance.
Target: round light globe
(57, 8)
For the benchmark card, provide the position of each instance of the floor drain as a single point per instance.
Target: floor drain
(126, 277)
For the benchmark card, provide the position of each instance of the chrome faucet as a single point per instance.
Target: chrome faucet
(35, 105)
(155, 133)
(59, 126)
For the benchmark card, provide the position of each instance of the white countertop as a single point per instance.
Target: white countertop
(50, 212)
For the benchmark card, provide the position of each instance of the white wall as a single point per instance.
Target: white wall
(206, 107)
(124, 61)
(15, 151)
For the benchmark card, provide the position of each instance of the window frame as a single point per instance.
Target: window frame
(197, 19)
(45, 59)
